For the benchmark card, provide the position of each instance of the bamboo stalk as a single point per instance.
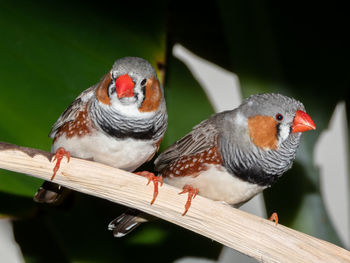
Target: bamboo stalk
(249, 234)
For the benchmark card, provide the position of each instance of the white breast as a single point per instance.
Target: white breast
(217, 184)
(126, 154)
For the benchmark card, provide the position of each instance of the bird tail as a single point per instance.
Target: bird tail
(50, 193)
(127, 222)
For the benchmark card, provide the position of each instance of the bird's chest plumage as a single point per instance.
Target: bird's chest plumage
(206, 172)
(84, 140)
(218, 184)
(127, 153)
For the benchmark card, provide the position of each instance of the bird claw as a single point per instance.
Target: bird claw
(152, 178)
(274, 218)
(60, 153)
(192, 192)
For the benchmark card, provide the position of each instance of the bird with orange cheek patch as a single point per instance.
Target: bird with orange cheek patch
(235, 154)
(120, 122)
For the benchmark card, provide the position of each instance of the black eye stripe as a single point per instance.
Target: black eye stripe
(112, 87)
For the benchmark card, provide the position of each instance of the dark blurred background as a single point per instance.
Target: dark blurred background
(51, 51)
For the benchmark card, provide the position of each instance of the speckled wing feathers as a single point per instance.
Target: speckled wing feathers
(203, 137)
(70, 113)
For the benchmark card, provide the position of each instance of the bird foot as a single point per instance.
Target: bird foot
(60, 153)
(155, 179)
(274, 218)
(192, 192)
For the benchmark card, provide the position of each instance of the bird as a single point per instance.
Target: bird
(233, 155)
(119, 121)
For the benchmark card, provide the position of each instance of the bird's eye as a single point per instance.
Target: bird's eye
(279, 116)
(143, 82)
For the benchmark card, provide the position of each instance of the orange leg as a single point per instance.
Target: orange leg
(192, 192)
(274, 217)
(60, 153)
(155, 179)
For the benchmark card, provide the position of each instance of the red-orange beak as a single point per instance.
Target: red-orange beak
(302, 122)
(124, 86)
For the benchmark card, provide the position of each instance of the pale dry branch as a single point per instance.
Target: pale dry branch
(249, 234)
